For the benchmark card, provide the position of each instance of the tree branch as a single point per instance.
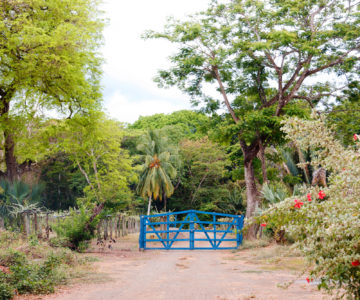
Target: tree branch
(332, 63)
(223, 92)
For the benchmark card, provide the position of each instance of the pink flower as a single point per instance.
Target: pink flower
(321, 195)
(355, 137)
(355, 263)
(263, 225)
(298, 203)
(308, 196)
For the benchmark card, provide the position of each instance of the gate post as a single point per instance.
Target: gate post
(167, 231)
(239, 226)
(192, 229)
(142, 235)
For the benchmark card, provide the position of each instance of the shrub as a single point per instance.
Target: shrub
(6, 290)
(34, 267)
(72, 231)
(27, 277)
(325, 224)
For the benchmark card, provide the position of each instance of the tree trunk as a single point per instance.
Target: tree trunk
(165, 202)
(263, 162)
(149, 206)
(252, 200)
(10, 159)
(97, 210)
(251, 190)
(9, 145)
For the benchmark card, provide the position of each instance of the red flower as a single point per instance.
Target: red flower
(308, 196)
(321, 195)
(298, 203)
(263, 225)
(308, 280)
(355, 263)
(355, 137)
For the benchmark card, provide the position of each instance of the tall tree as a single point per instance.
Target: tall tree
(48, 62)
(203, 181)
(93, 144)
(159, 167)
(204, 164)
(263, 57)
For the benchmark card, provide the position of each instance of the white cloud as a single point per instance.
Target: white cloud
(133, 61)
(127, 110)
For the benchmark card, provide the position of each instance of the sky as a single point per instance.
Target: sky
(131, 63)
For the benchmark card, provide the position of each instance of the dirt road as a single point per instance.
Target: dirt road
(185, 275)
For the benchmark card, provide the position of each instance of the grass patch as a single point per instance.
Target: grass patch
(253, 271)
(251, 244)
(277, 257)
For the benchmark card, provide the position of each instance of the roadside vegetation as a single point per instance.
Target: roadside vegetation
(33, 267)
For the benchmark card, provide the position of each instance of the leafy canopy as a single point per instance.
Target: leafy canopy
(93, 144)
(49, 62)
(263, 56)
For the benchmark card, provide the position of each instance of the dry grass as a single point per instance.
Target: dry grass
(268, 256)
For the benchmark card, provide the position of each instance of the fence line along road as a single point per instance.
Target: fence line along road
(112, 226)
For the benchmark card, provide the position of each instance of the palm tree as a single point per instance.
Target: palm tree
(159, 168)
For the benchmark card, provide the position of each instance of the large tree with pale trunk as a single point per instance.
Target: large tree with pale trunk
(265, 58)
(48, 62)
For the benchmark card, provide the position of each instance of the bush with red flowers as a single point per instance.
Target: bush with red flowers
(325, 223)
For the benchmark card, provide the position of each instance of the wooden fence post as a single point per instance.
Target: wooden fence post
(2, 224)
(98, 229)
(47, 228)
(36, 225)
(26, 223)
(123, 226)
(111, 228)
(117, 228)
(106, 229)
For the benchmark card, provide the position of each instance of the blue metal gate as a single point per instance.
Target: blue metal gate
(190, 230)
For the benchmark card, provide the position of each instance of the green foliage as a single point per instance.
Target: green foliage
(204, 164)
(32, 278)
(326, 229)
(26, 277)
(345, 114)
(266, 60)
(6, 290)
(49, 60)
(274, 193)
(93, 144)
(71, 230)
(18, 197)
(202, 182)
(63, 182)
(177, 126)
(31, 268)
